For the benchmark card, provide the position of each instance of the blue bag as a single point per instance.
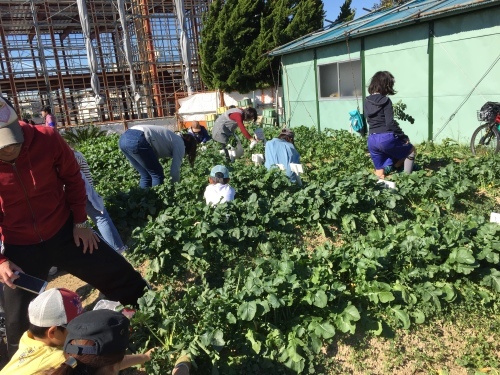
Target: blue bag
(356, 120)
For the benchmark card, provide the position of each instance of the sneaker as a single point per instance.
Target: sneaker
(389, 169)
(52, 271)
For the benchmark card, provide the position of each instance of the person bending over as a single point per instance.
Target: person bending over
(144, 145)
(225, 126)
(281, 150)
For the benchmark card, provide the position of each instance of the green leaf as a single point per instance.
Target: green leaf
(320, 299)
(256, 345)
(402, 316)
(231, 318)
(323, 329)
(385, 297)
(218, 339)
(465, 256)
(247, 310)
(351, 313)
(419, 316)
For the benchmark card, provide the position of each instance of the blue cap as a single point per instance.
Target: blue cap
(219, 169)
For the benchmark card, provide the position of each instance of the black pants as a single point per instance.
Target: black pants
(104, 269)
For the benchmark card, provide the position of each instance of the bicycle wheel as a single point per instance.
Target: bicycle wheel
(485, 140)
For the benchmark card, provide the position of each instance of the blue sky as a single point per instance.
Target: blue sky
(332, 7)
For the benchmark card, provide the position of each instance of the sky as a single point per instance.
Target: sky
(332, 7)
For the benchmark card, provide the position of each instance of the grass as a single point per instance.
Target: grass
(460, 342)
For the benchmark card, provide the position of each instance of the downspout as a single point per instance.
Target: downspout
(363, 83)
(430, 62)
(317, 88)
(363, 73)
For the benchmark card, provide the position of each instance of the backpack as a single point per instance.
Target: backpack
(356, 120)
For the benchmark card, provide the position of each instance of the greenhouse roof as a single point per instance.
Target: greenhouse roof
(411, 12)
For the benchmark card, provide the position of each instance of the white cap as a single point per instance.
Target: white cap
(54, 307)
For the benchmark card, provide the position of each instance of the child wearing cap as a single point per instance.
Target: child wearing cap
(219, 190)
(281, 150)
(40, 347)
(96, 344)
(200, 133)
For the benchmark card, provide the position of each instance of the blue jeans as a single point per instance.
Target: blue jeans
(106, 227)
(140, 154)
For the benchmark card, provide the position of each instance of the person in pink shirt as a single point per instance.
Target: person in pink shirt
(50, 119)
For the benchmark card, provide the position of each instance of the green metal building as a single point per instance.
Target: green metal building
(444, 55)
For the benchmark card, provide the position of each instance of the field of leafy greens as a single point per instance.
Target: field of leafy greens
(260, 285)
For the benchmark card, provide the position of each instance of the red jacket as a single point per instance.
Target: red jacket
(38, 190)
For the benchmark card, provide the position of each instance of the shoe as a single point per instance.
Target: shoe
(182, 361)
(389, 169)
(52, 271)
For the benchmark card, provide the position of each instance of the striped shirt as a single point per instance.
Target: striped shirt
(84, 167)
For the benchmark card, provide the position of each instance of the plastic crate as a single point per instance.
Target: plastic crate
(221, 110)
(245, 103)
(269, 112)
(268, 121)
(210, 125)
(211, 117)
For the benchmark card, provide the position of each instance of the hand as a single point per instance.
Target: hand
(7, 275)
(253, 143)
(149, 352)
(87, 236)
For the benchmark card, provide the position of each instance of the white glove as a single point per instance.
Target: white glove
(253, 143)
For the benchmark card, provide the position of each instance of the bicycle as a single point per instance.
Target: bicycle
(486, 138)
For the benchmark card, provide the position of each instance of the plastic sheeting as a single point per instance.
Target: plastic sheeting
(127, 48)
(195, 107)
(183, 41)
(91, 56)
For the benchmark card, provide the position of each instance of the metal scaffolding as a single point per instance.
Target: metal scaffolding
(44, 61)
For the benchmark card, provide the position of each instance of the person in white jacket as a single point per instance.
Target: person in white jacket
(219, 190)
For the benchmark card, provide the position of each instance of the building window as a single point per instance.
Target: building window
(336, 80)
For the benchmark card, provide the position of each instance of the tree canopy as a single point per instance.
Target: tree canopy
(237, 34)
(346, 12)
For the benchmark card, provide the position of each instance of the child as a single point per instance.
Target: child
(389, 147)
(218, 191)
(199, 132)
(40, 347)
(96, 344)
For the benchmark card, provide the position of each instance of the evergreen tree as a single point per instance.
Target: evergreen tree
(209, 43)
(237, 35)
(346, 13)
(388, 4)
(307, 16)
